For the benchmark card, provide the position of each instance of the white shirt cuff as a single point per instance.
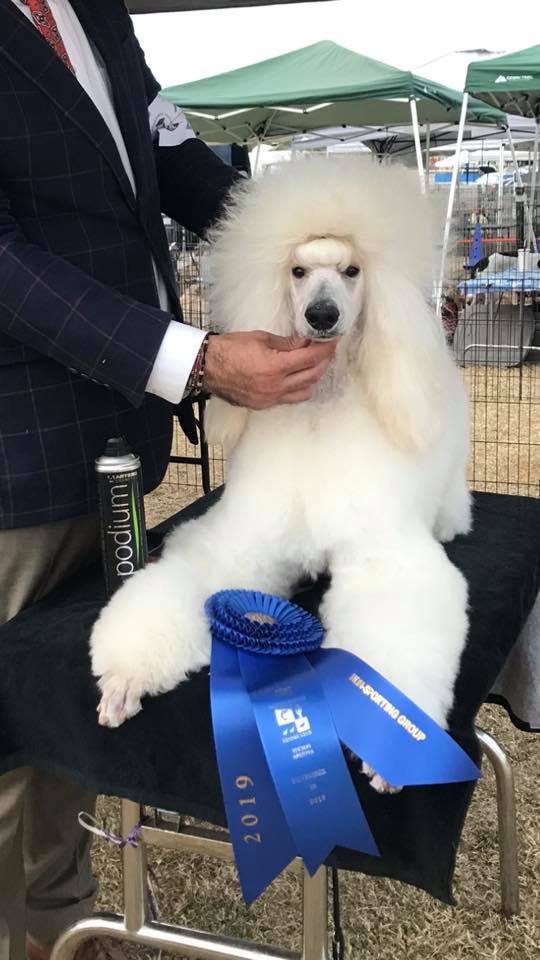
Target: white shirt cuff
(174, 361)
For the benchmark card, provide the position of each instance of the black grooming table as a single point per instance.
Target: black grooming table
(165, 755)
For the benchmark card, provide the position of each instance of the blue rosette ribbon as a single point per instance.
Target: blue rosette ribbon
(281, 708)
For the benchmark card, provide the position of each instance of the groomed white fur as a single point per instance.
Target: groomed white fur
(363, 480)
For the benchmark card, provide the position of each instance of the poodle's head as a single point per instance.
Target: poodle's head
(342, 248)
(326, 288)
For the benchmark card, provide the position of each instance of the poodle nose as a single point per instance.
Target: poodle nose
(322, 314)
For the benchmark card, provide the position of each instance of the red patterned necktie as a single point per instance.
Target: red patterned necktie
(43, 18)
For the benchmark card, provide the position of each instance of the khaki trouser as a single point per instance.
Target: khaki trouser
(46, 881)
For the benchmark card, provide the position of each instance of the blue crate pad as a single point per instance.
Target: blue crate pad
(507, 281)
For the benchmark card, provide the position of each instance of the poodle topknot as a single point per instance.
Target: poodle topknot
(380, 210)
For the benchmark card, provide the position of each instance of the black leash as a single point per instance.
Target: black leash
(338, 940)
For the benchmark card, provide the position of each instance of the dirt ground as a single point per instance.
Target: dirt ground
(505, 428)
(383, 919)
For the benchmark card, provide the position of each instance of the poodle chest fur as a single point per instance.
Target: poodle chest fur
(323, 474)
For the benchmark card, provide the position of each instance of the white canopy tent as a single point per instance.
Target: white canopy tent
(398, 139)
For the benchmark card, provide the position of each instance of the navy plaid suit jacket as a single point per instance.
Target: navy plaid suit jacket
(80, 323)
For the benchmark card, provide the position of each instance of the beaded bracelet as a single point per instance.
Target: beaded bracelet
(195, 382)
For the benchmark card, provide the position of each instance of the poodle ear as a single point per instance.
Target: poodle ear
(224, 423)
(404, 364)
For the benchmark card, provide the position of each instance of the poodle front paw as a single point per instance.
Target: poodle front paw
(454, 518)
(377, 782)
(147, 640)
(444, 530)
(120, 700)
(448, 528)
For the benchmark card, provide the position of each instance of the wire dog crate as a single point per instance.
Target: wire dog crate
(190, 260)
(491, 312)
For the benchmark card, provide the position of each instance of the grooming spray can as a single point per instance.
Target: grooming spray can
(121, 505)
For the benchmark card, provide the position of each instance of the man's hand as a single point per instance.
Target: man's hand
(259, 370)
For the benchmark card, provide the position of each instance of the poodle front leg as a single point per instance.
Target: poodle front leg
(403, 611)
(154, 631)
(454, 514)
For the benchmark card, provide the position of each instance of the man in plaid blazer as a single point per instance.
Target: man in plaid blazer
(91, 346)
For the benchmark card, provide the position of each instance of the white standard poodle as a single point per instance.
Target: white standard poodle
(364, 480)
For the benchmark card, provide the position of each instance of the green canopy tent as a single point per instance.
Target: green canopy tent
(510, 83)
(321, 85)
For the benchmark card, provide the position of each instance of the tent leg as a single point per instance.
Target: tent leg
(500, 186)
(418, 148)
(450, 209)
(428, 138)
(530, 229)
(257, 158)
(534, 177)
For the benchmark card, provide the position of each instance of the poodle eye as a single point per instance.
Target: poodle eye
(298, 272)
(352, 271)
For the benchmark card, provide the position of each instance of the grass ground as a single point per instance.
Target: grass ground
(382, 919)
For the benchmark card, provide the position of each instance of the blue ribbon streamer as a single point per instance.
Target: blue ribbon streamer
(280, 707)
(381, 725)
(261, 839)
(305, 758)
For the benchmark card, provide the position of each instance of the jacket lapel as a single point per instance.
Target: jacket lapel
(107, 24)
(101, 23)
(30, 53)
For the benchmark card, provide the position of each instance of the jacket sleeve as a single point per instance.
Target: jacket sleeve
(53, 307)
(194, 184)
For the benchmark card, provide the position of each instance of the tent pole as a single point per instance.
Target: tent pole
(416, 129)
(257, 157)
(500, 186)
(532, 198)
(531, 239)
(450, 209)
(428, 138)
(260, 140)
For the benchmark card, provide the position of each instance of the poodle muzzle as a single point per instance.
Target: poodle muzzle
(323, 317)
